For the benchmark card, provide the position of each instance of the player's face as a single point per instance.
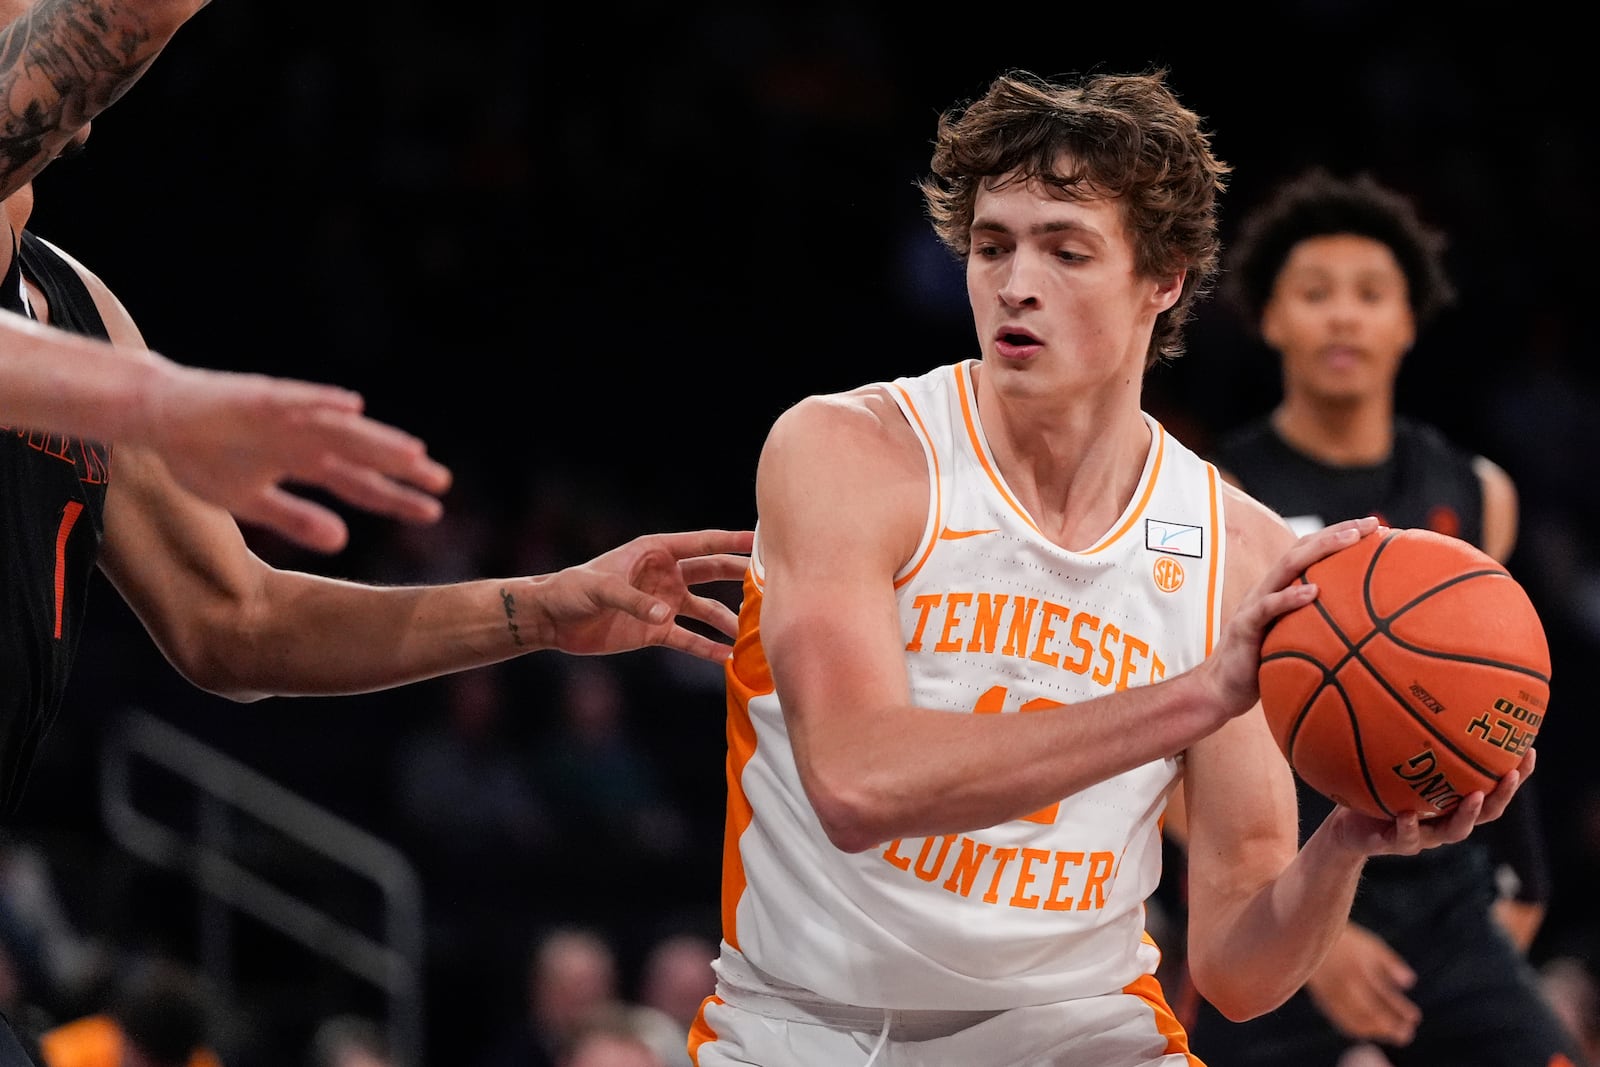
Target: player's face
(1055, 297)
(1340, 318)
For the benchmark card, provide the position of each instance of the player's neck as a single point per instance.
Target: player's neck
(1357, 433)
(1074, 482)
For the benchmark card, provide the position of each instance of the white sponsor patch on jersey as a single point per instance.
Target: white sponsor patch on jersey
(1179, 538)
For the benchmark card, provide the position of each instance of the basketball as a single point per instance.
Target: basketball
(1419, 674)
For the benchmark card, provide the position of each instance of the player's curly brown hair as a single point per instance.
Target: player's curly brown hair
(1122, 136)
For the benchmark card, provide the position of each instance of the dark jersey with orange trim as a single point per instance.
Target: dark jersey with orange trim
(1479, 997)
(1426, 482)
(52, 508)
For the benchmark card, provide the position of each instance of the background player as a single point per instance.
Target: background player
(1337, 276)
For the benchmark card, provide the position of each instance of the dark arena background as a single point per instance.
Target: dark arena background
(589, 256)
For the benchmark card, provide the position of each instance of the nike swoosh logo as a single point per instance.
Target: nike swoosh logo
(956, 535)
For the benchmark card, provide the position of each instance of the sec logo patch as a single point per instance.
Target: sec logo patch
(1168, 574)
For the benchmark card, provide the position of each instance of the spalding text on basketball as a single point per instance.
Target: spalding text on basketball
(1423, 779)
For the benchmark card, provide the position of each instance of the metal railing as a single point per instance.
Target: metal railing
(208, 855)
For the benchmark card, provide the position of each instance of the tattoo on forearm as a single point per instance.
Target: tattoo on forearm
(509, 602)
(61, 64)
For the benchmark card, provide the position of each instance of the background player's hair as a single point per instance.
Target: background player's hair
(1319, 204)
(1123, 136)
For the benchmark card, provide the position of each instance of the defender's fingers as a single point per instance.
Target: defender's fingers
(376, 492)
(712, 612)
(302, 521)
(688, 543)
(698, 570)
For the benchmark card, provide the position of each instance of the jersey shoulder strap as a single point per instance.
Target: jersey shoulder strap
(72, 307)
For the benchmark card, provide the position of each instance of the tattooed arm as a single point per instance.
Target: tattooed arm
(62, 62)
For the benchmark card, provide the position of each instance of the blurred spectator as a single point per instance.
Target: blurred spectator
(572, 974)
(677, 976)
(602, 782)
(461, 791)
(48, 959)
(157, 1017)
(467, 816)
(1573, 991)
(617, 1035)
(349, 1041)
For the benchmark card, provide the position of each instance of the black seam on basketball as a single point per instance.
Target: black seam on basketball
(1300, 716)
(1329, 681)
(1382, 625)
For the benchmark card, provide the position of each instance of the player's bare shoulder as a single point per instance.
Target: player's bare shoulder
(1257, 538)
(850, 453)
(862, 425)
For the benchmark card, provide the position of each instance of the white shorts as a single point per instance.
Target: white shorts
(739, 1028)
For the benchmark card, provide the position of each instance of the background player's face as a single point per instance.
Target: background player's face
(1340, 318)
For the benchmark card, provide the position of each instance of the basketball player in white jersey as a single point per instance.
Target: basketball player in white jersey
(995, 615)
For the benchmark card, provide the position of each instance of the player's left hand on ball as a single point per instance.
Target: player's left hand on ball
(1408, 834)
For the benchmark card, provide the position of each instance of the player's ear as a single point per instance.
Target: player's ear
(1168, 289)
(1411, 337)
(1269, 328)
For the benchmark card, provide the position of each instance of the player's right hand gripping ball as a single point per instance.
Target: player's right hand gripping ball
(1419, 674)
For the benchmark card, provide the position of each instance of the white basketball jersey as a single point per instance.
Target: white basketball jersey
(997, 620)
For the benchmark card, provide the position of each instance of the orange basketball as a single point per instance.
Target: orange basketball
(1419, 674)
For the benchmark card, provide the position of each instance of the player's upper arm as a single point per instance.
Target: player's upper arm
(1499, 508)
(842, 498)
(1240, 814)
(181, 563)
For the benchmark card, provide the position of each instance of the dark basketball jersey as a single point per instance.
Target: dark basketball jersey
(1478, 995)
(51, 521)
(1427, 482)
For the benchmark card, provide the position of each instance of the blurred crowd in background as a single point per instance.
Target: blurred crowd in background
(589, 258)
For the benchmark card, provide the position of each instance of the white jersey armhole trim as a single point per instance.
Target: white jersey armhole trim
(930, 528)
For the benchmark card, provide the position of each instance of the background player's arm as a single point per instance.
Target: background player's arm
(1500, 508)
(62, 62)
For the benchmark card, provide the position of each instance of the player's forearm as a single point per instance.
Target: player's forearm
(917, 771)
(1251, 960)
(70, 384)
(325, 637)
(65, 61)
